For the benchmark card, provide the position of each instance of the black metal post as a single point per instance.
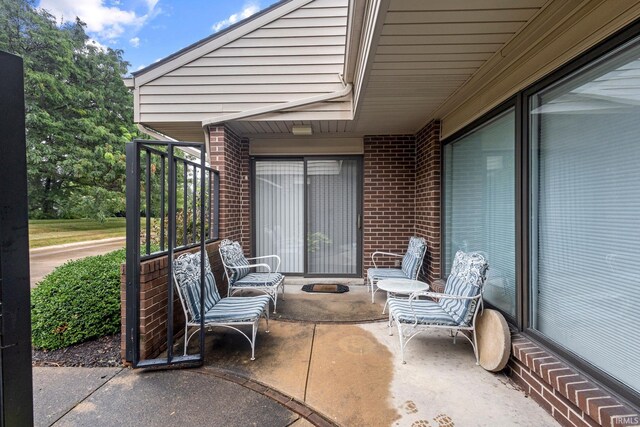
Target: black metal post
(133, 253)
(171, 230)
(147, 208)
(162, 200)
(16, 390)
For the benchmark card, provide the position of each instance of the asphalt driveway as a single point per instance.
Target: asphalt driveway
(44, 260)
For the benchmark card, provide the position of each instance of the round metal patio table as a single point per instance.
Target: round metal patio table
(400, 287)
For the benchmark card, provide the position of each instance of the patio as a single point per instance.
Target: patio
(349, 373)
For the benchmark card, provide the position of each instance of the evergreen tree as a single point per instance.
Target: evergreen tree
(79, 114)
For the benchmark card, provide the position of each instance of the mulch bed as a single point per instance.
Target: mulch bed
(103, 352)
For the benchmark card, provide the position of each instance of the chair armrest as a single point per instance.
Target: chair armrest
(383, 253)
(439, 296)
(268, 256)
(240, 267)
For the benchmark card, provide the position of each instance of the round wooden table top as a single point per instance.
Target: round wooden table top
(493, 340)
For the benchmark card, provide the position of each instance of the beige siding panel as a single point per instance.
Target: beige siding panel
(497, 38)
(288, 42)
(493, 15)
(306, 22)
(452, 28)
(432, 71)
(266, 33)
(443, 48)
(232, 107)
(313, 88)
(319, 4)
(426, 65)
(235, 98)
(305, 146)
(267, 60)
(278, 51)
(275, 79)
(299, 116)
(261, 70)
(405, 59)
(413, 5)
(324, 12)
(564, 39)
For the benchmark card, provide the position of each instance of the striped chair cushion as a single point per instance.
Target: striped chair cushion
(415, 253)
(233, 256)
(385, 273)
(467, 277)
(186, 269)
(259, 279)
(237, 309)
(426, 312)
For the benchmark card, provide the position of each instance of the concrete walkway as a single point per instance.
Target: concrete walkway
(44, 260)
(305, 373)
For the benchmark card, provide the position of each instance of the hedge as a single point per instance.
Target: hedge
(78, 301)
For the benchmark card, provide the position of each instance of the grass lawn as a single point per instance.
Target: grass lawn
(47, 232)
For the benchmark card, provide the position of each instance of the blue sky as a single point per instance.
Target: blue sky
(149, 30)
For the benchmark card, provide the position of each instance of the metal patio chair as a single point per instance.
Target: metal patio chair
(456, 309)
(238, 272)
(231, 312)
(410, 267)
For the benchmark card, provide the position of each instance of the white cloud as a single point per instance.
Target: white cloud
(97, 44)
(135, 42)
(140, 67)
(247, 10)
(106, 22)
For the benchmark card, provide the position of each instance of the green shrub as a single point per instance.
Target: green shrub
(78, 301)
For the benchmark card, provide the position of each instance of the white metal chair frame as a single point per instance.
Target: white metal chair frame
(270, 290)
(407, 331)
(372, 285)
(191, 322)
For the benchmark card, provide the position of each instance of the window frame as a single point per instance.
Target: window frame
(520, 102)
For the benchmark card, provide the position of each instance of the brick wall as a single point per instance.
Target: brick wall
(427, 223)
(154, 303)
(571, 398)
(389, 195)
(230, 155)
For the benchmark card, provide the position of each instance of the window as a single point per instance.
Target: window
(585, 213)
(479, 188)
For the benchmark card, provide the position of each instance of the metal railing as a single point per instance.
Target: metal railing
(172, 205)
(155, 179)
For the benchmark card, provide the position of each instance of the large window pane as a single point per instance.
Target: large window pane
(585, 218)
(479, 204)
(279, 199)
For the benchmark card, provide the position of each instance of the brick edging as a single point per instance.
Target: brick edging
(572, 398)
(305, 411)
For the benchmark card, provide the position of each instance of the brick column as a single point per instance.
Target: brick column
(428, 180)
(389, 195)
(230, 155)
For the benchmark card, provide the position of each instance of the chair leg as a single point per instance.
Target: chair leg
(254, 331)
(474, 344)
(402, 342)
(390, 324)
(186, 338)
(266, 317)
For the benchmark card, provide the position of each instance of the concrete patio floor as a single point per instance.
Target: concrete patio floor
(349, 373)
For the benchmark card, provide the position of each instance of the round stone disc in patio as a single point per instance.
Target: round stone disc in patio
(494, 340)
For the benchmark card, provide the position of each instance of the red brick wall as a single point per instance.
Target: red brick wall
(153, 302)
(230, 155)
(427, 224)
(389, 195)
(571, 398)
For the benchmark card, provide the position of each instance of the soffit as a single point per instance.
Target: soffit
(426, 51)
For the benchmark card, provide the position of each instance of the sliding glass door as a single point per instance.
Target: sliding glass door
(308, 211)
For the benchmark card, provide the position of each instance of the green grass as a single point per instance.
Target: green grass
(47, 232)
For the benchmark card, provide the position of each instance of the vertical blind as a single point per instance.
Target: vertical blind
(585, 221)
(332, 216)
(279, 208)
(479, 188)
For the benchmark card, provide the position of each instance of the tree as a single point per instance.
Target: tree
(79, 114)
